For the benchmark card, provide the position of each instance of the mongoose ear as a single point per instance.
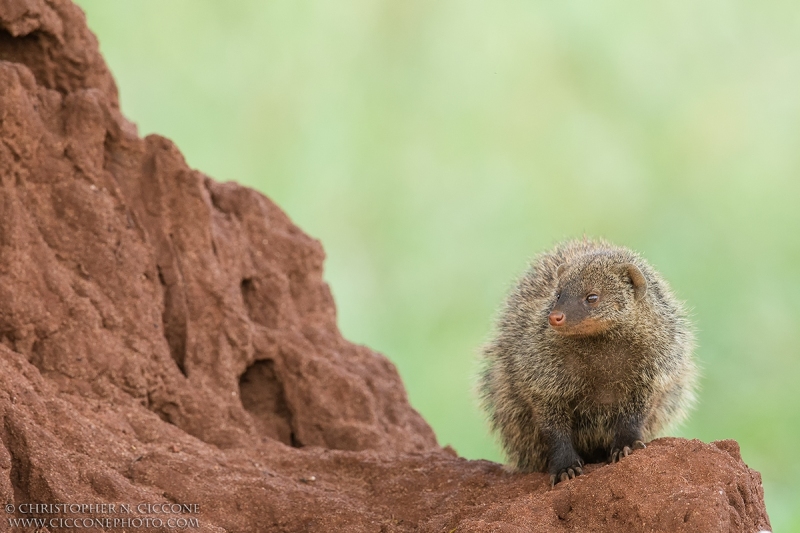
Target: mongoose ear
(560, 270)
(637, 278)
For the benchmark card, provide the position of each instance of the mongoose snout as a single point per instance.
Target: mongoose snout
(591, 359)
(557, 318)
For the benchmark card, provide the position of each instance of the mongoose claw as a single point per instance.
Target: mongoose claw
(570, 472)
(618, 453)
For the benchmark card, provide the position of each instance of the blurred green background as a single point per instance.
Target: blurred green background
(435, 147)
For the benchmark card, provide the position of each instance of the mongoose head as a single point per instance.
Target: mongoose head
(594, 293)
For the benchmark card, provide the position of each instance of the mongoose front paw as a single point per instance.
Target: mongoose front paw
(625, 451)
(568, 472)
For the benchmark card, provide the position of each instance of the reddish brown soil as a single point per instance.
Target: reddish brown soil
(167, 338)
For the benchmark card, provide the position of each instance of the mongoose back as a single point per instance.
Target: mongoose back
(591, 359)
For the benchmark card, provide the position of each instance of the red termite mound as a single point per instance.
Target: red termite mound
(165, 338)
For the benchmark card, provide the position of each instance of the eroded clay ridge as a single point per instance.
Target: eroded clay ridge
(167, 338)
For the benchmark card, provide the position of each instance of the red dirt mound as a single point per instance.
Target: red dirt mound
(169, 356)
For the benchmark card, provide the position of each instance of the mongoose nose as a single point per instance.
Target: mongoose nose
(557, 318)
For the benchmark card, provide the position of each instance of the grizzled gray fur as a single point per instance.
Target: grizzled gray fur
(592, 358)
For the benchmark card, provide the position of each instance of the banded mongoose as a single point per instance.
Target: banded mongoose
(592, 358)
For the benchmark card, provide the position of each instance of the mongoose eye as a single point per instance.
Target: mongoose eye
(592, 298)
